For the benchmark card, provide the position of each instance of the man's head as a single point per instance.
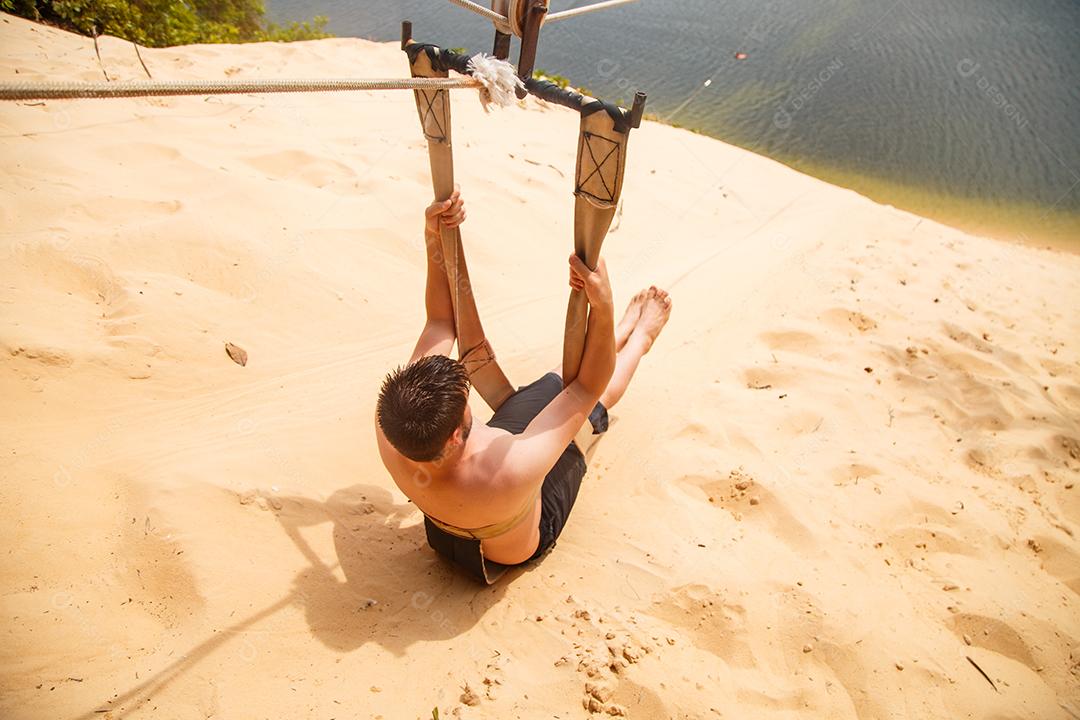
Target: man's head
(423, 407)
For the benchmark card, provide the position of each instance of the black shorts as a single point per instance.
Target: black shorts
(563, 481)
(557, 495)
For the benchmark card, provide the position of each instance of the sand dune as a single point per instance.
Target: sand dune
(842, 486)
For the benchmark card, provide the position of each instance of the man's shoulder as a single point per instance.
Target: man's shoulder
(493, 458)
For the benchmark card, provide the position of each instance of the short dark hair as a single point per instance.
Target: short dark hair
(422, 404)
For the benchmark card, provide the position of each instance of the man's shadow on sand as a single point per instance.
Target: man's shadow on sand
(396, 591)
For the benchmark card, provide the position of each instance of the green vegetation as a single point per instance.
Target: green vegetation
(160, 23)
(560, 80)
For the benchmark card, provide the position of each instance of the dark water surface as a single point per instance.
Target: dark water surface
(966, 111)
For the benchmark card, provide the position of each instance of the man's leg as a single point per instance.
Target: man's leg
(655, 309)
(629, 319)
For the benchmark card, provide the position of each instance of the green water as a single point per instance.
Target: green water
(965, 111)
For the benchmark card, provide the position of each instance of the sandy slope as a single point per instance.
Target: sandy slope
(845, 476)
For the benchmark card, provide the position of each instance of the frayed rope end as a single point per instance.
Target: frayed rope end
(500, 81)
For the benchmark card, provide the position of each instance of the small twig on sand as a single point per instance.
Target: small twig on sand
(139, 55)
(983, 673)
(97, 51)
(538, 164)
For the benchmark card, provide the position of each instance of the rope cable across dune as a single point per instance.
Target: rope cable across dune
(33, 90)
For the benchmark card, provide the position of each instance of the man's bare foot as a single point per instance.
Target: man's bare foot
(629, 319)
(655, 311)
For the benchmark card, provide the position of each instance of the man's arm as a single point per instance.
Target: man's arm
(440, 331)
(598, 356)
(533, 453)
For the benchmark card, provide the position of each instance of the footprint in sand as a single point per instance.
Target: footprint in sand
(801, 423)
(962, 337)
(712, 622)
(1067, 448)
(768, 379)
(911, 541)
(851, 473)
(1059, 561)
(52, 357)
(745, 499)
(696, 432)
(633, 700)
(791, 341)
(1067, 496)
(84, 276)
(1069, 394)
(993, 635)
(844, 319)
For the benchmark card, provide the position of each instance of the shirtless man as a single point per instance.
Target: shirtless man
(510, 483)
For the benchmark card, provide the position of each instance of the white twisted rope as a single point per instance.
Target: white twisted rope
(494, 78)
(501, 21)
(510, 25)
(575, 12)
(27, 90)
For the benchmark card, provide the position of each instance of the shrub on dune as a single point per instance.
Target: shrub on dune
(160, 23)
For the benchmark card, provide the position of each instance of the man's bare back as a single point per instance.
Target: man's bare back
(485, 477)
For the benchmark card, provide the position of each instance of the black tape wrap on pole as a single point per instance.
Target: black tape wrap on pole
(440, 59)
(444, 60)
(552, 93)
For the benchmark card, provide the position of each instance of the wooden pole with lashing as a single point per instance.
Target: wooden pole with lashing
(473, 348)
(601, 163)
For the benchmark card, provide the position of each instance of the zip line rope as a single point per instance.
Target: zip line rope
(503, 23)
(585, 10)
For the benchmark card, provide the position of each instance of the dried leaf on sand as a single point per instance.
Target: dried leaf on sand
(237, 353)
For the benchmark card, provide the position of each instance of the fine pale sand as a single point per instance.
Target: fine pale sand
(841, 486)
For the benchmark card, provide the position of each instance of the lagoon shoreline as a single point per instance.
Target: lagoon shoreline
(963, 112)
